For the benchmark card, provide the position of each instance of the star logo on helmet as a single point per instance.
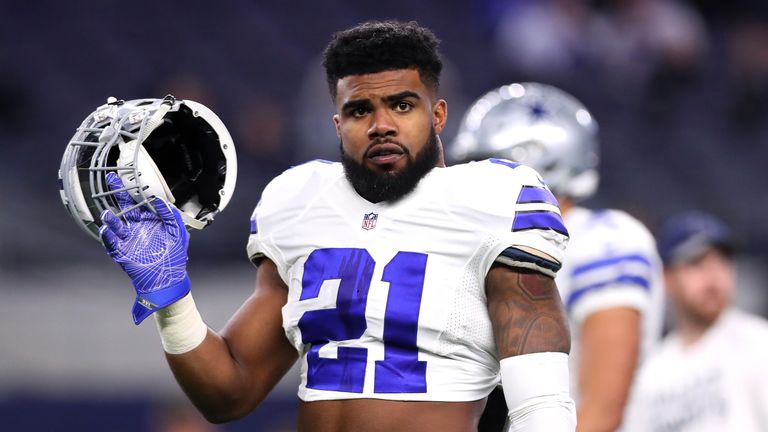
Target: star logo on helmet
(537, 111)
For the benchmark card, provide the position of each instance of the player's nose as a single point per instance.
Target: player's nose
(382, 124)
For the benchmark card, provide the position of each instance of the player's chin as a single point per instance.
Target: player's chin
(711, 310)
(391, 167)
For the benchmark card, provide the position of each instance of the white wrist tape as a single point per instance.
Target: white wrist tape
(180, 325)
(536, 387)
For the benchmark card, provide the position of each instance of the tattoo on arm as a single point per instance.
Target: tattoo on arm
(526, 312)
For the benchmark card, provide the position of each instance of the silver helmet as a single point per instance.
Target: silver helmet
(536, 125)
(178, 150)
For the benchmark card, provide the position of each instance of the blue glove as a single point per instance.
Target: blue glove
(151, 248)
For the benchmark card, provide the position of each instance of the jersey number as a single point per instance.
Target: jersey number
(400, 371)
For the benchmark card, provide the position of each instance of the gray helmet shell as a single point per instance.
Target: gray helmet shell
(537, 125)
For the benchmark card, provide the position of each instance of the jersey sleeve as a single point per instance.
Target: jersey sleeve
(522, 217)
(281, 203)
(622, 270)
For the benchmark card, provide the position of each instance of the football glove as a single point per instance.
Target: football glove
(150, 247)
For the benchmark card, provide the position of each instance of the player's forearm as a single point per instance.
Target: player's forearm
(226, 374)
(596, 418)
(204, 363)
(214, 381)
(603, 398)
(610, 345)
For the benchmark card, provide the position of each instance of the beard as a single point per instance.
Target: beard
(391, 186)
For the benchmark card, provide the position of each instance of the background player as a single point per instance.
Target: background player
(611, 277)
(709, 372)
(400, 285)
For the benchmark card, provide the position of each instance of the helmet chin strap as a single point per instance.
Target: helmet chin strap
(192, 222)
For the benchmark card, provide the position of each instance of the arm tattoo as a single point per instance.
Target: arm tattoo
(526, 312)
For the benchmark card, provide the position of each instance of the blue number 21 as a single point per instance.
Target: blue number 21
(400, 371)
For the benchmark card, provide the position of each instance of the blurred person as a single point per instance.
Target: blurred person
(709, 373)
(748, 77)
(654, 46)
(611, 275)
(404, 288)
(544, 38)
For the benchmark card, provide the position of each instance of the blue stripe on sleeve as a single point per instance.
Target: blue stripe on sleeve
(623, 279)
(536, 194)
(254, 227)
(610, 262)
(504, 162)
(545, 220)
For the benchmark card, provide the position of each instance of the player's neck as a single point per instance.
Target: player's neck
(441, 158)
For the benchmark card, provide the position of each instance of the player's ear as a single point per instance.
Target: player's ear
(439, 115)
(337, 123)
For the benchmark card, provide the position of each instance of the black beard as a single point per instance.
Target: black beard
(389, 186)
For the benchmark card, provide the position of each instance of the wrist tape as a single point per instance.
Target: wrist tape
(180, 325)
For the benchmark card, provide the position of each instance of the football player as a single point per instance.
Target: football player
(709, 373)
(405, 289)
(610, 281)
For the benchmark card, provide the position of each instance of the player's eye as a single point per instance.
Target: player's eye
(359, 112)
(403, 106)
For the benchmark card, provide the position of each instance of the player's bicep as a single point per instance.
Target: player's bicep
(255, 335)
(526, 312)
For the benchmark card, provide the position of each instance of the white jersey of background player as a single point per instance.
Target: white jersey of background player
(709, 373)
(610, 281)
(387, 300)
(611, 262)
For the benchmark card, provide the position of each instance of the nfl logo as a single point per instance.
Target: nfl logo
(369, 221)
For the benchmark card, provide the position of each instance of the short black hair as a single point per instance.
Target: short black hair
(378, 46)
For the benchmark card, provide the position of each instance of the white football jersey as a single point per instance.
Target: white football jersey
(718, 384)
(611, 261)
(388, 300)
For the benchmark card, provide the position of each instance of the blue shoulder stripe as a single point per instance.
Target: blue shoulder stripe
(504, 162)
(638, 281)
(254, 226)
(545, 220)
(536, 194)
(610, 262)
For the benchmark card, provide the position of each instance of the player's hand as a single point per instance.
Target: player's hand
(151, 248)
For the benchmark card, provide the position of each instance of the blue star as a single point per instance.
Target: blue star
(537, 111)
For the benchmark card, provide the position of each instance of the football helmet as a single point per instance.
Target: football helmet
(178, 150)
(536, 125)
